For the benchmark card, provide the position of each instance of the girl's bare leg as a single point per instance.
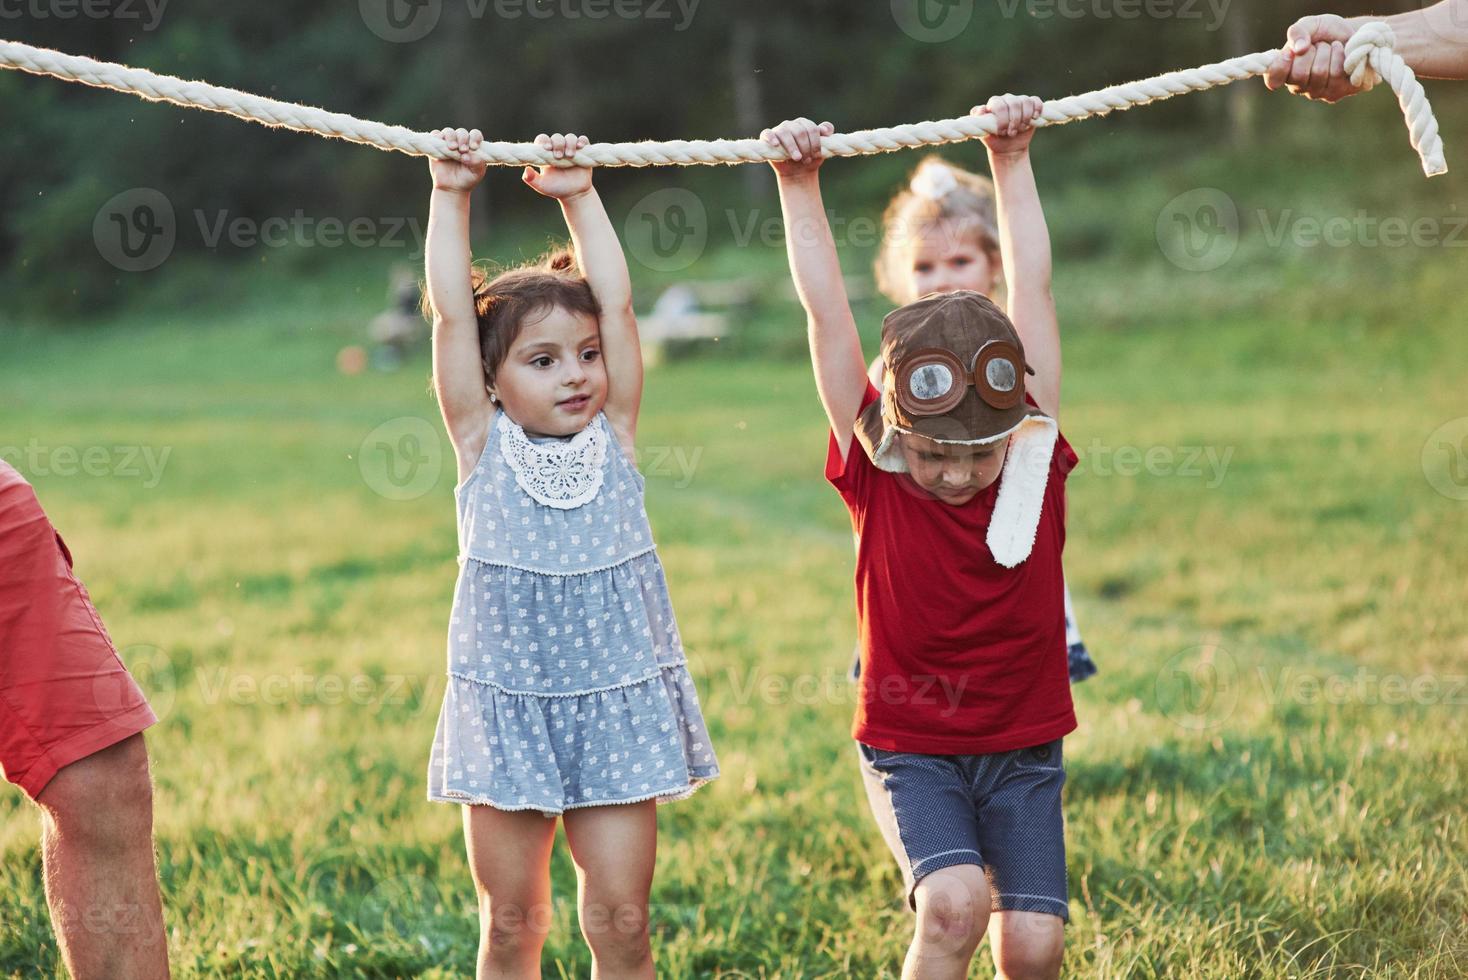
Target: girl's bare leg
(509, 857)
(615, 849)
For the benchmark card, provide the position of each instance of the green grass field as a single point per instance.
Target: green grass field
(1267, 550)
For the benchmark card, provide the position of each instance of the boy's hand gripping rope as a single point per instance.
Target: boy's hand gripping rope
(1370, 58)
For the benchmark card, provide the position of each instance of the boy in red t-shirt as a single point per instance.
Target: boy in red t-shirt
(956, 489)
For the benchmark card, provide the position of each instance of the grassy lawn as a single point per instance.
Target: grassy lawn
(1268, 777)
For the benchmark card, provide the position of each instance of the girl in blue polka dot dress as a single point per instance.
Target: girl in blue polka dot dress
(568, 692)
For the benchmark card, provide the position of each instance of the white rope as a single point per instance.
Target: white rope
(1369, 58)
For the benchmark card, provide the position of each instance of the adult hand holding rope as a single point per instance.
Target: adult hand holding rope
(1433, 42)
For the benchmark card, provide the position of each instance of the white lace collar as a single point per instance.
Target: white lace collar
(561, 473)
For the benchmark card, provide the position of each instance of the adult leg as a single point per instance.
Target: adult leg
(952, 914)
(101, 879)
(615, 850)
(1027, 945)
(509, 857)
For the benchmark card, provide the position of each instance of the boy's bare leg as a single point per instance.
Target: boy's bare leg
(1027, 945)
(100, 875)
(952, 914)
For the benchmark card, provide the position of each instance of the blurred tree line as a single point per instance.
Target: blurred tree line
(616, 69)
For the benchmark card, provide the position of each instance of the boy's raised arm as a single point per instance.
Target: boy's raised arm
(835, 347)
(458, 371)
(1024, 243)
(603, 263)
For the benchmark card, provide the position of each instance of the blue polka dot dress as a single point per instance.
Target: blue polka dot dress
(568, 685)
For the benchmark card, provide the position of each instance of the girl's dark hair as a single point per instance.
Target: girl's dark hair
(505, 299)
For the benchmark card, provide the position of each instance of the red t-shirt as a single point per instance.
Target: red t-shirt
(960, 655)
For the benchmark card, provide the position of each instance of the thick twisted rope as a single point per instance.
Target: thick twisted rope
(1369, 58)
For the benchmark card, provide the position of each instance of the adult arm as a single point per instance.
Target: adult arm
(1432, 41)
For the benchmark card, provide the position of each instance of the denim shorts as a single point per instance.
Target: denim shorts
(1000, 811)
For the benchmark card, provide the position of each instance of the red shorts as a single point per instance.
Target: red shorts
(64, 693)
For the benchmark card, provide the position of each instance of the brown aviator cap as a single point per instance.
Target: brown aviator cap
(955, 373)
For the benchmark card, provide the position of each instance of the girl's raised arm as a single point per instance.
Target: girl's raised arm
(835, 347)
(599, 254)
(458, 370)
